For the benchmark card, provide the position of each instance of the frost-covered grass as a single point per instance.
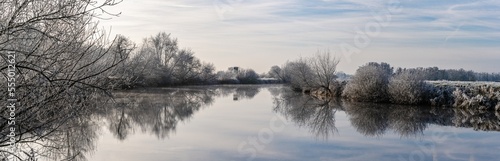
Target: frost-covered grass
(369, 84)
(475, 95)
(464, 83)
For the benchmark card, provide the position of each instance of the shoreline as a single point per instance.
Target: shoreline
(456, 94)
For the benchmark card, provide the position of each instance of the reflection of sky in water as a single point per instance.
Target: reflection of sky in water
(216, 133)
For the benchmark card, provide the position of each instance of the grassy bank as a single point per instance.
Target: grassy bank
(459, 94)
(378, 83)
(475, 95)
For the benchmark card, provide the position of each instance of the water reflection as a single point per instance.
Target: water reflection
(317, 115)
(407, 121)
(158, 111)
(376, 119)
(69, 130)
(477, 119)
(243, 92)
(59, 130)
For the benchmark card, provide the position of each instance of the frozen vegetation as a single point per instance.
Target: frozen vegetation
(477, 95)
(380, 83)
(160, 62)
(375, 83)
(63, 61)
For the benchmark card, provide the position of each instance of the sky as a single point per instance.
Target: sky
(258, 34)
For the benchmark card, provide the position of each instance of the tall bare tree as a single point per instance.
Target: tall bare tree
(187, 68)
(324, 68)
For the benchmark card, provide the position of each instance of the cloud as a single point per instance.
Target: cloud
(258, 33)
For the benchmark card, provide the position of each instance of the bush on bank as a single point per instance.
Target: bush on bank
(377, 82)
(408, 88)
(369, 84)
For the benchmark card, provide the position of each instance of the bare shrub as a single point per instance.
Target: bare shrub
(408, 87)
(248, 76)
(275, 72)
(305, 74)
(369, 84)
(324, 67)
(299, 74)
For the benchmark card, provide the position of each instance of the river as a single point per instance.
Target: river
(270, 122)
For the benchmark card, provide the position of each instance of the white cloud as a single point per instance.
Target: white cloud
(258, 34)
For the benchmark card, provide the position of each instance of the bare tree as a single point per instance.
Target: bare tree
(122, 76)
(300, 74)
(187, 68)
(369, 84)
(145, 68)
(276, 72)
(207, 73)
(247, 76)
(61, 61)
(324, 68)
(162, 47)
(310, 73)
(159, 62)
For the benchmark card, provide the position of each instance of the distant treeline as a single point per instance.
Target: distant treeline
(434, 73)
(159, 62)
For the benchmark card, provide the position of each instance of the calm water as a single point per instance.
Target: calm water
(269, 122)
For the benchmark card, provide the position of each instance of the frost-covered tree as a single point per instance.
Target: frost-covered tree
(146, 69)
(299, 74)
(122, 75)
(162, 47)
(324, 68)
(318, 72)
(62, 60)
(408, 87)
(207, 74)
(160, 62)
(276, 72)
(369, 84)
(186, 67)
(247, 76)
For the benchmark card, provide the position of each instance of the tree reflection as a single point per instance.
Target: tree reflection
(372, 119)
(317, 115)
(239, 92)
(68, 129)
(479, 120)
(407, 121)
(410, 121)
(369, 119)
(156, 112)
(62, 130)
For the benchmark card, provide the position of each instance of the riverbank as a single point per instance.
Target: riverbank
(473, 95)
(458, 94)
